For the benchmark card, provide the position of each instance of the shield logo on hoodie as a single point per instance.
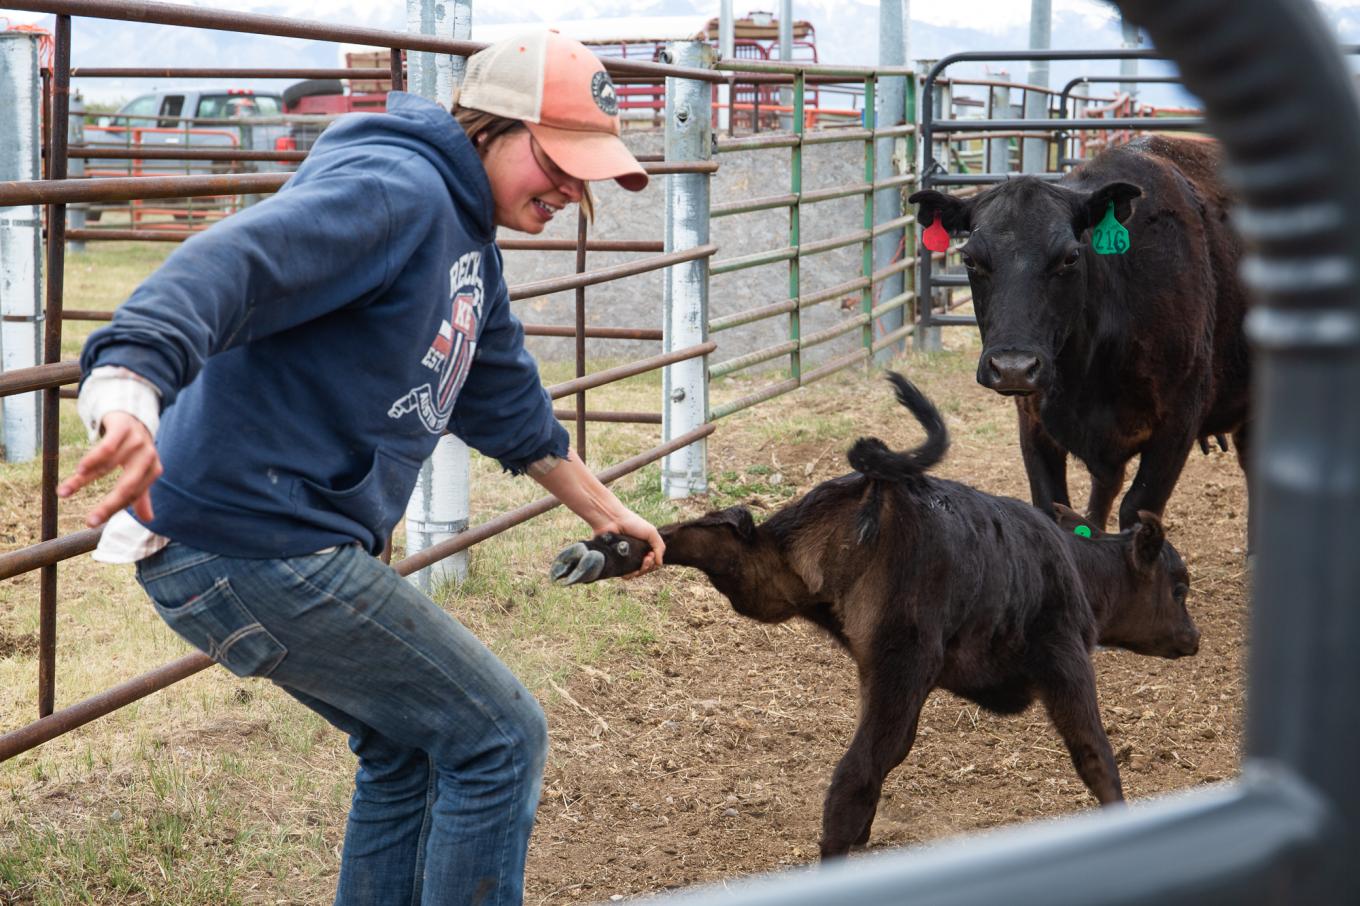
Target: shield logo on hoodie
(450, 354)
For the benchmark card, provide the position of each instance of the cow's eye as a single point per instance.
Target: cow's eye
(969, 263)
(1180, 591)
(1071, 260)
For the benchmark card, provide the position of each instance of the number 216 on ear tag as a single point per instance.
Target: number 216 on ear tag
(935, 238)
(1109, 237)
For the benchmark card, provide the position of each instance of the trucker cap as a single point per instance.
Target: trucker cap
(562, 93)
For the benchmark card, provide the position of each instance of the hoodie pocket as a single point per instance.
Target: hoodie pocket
(375, 502)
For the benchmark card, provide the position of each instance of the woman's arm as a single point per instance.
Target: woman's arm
(571, 482)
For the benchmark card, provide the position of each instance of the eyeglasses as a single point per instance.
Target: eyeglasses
(555, 174)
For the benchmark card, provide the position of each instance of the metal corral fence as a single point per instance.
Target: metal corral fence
(1075, 129)
(1282, 103)
(686, 416)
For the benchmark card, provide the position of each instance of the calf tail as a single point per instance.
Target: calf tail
(871, 457)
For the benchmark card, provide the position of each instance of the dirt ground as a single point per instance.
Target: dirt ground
(712, 759)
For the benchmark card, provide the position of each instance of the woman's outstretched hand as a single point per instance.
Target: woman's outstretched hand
(632, 524)
(576, 486)
(128, 444)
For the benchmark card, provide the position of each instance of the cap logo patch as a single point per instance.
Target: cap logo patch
(602, 89)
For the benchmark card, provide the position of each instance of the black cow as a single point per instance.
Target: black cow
(1110, 355)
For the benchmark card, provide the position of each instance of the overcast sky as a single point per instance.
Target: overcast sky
(846, 29)
(983, 14)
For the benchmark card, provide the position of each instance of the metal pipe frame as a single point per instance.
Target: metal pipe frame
(933, 173)
(752, 358)
(141, 152)
(1064, 98)
(532, 245)
(767, 203)
(57, 127)
(752, 399)
(642, 366)
(607, 274)
(752, 315)
(180, 72)
(580, 310)
(39, 377)
(795, 319)
(755, 259)
(866, 297)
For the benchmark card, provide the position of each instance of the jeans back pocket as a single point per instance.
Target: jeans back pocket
(218, 624)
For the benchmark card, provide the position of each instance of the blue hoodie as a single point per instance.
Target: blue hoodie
(310, 350)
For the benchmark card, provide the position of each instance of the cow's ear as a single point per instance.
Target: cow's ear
(1098, 202)
(953, 212)
(1069, 520)
(1148, 539)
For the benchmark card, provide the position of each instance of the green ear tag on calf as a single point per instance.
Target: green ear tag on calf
(1109, 237)
(1082, 530)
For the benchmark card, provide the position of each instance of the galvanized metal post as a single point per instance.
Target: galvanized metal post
(796, 229)
(1132, 41)
(786, 54)
(866, 296)
(21, 269)
(928, 339)
(892, 51)
(727, 48)
(684, 405)
(435, 75)
(1035, 156)
(440, 504)
(75, 169)
(999, 149)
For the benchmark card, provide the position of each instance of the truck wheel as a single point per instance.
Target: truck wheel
(310, 88)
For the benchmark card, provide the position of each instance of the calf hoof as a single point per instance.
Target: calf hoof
(577, 565)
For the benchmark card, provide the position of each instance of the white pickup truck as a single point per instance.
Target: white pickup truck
(198, 118)
(239, 118)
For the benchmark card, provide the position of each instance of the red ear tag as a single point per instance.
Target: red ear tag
(935, 238)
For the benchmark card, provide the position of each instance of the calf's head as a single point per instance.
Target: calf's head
(1143, 586)
(715, 542)
(1027, 257)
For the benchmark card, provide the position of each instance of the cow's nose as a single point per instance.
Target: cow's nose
(1012, 372)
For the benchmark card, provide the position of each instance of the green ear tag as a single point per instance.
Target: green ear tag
(1082, 530)
(1109, 237)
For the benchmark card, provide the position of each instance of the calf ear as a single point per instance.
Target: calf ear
(1070, 520)
(1148, 538)
(1098, 202)
(740, 519)
(953, 212)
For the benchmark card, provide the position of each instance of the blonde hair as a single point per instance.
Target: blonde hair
(485, 129)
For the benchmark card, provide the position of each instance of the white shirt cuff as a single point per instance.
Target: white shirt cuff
(111, 388)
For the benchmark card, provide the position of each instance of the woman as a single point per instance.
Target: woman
(302, 358)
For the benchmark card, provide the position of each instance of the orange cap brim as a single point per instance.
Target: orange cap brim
(591, 155)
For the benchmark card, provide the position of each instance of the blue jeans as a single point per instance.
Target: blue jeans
(450, 744)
